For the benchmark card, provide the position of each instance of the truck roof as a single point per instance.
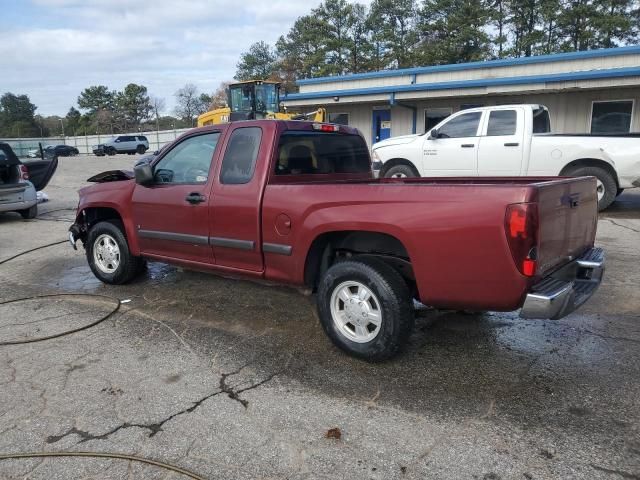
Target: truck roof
(286, 125)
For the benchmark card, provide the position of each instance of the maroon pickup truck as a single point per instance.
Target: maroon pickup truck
(296, 203)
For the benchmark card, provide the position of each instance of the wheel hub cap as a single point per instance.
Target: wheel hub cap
(106, 254)
(600, 189)
(356, 311)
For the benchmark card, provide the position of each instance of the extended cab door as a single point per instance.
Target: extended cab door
(502, 143)
(172, 214)
(455, 151)
(236, 201)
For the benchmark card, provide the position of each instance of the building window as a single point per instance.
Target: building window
(433, 116)
(611, 117)
(339, 118)
(467, 106)
(502, 123)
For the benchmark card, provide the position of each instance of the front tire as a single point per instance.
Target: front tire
(29, 213)
(607, 187)
(365, 308)
(108, 254)
(400, 171)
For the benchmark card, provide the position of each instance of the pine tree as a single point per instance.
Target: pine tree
(454, 31)
(393, 24)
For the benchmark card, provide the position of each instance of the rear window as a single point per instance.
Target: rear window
(142, 139)
(309, 153)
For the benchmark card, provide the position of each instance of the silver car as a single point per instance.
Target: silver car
(124, 144)
(17, 193)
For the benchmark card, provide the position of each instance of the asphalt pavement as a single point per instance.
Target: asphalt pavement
(231, 379)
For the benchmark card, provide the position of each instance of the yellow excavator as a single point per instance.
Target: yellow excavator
(255, 99)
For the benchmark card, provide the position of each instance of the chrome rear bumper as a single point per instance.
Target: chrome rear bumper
(565, 290)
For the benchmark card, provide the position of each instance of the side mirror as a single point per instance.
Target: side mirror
(144, 174)
(433, 134)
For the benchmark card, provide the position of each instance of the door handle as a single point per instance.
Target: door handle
(195, 197)
(511, 144)
(467, 145)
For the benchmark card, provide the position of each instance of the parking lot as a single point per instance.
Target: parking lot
(234, 379)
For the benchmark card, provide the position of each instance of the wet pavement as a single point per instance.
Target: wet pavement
(232, 379)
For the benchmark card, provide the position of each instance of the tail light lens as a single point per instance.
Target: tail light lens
(24, 173)
(521, 229)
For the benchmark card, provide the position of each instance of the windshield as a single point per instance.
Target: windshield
(242, 98)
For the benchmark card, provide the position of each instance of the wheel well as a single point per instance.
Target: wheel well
(589, 162)
(98, 214)
(398, 161)
(330, 247)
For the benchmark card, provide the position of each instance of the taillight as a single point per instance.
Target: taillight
(24, 173)
(521, 229)
(326, 127)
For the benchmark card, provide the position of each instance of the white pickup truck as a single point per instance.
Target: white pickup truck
(512, 140)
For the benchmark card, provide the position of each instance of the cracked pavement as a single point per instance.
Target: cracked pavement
(232, 379)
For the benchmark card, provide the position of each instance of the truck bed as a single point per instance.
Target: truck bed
(453, 228)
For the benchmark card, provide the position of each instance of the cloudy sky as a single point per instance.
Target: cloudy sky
(52, 49)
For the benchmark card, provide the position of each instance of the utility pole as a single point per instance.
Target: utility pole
(62, 123)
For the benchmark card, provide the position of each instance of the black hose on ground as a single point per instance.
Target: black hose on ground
(68, 332)
(119, 456)
(32, 250)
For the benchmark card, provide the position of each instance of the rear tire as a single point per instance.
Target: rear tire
(108, 254)
(401, 171)
(354, 294)
(29, 213)
(607, 186)
(140, 149)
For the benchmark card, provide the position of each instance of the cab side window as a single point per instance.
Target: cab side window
(239, 162)
(502, 122)
(465, 125)
(188, 162)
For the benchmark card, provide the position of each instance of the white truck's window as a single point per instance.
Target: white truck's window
(463, 126)
(239, 161)
(502, 122)
(611, 117)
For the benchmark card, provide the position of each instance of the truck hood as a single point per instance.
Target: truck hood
(111, 176)
(401, 140)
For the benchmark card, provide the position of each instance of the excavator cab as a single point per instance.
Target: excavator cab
(254, 99)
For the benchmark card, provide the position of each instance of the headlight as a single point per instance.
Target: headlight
(375, 157)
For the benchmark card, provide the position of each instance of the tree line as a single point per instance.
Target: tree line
(340, 37)
(103, 111)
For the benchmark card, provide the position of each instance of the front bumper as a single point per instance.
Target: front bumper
(565, 290)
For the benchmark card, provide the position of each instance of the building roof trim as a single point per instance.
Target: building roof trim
(507, 62)
(482, 82)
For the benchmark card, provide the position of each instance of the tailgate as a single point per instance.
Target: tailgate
(568, 216)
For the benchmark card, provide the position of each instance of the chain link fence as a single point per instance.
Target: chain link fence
(85, 143)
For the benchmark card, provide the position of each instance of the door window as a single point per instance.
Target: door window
(611, 117)
(189, 161)
(465, 125)
(239, 161)
(502, 122)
